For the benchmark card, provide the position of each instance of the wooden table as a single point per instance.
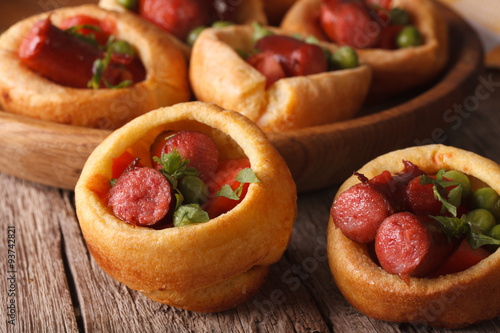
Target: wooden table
(59, 287)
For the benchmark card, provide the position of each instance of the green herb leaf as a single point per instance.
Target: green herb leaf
(121, 47)
(179, 199)
(189, 214)
(173, 166)
(440, 193)
(452, 226)
(90, 38)
(455, 196)
(123, 84)
(112, 181)
(457, 227)
(98, 69)
(227, 191)
(100, 65)
(477, 239)
(311, 40)
(446, 205)
(245, 176)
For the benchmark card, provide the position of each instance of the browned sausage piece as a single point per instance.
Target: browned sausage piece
(141, 197)
(411, 245)
(295, 56)
(394, 186)
(57, 55)
(359, 211)
(197, 147)
(350, 23)
(178, 17)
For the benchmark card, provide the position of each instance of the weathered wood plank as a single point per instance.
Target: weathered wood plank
(42, 298)
(101, 298)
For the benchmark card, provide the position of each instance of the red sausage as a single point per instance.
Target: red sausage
(69, 61)
(295, 56)
(267, 65)
(308, 59)
(359, 211)
(58, 56)
(394, 186)
(463, 258)
(178, 17)
(411, 245)
(197, 147)
(384, 4)
(420, 198)
(226, 175)
(123, 67)
(388, 37)
(105, 27)
(350, 23)
(141, 197)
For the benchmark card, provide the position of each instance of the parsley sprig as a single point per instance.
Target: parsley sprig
(189, 214)
(100, 65)
(455, 226)
(245, 176)
(88, 38)
(450, 200)
(174, 167)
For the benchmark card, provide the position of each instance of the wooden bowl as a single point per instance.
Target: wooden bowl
(318, 157)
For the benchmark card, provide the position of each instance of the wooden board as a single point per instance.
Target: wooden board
(318, 157)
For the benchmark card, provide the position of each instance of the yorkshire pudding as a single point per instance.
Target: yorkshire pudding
(218, 74)
(25, 92)
(241, 12)
(394, 71)
(450, 301)
(205, 267)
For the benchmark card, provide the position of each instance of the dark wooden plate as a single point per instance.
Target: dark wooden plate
(318, 157)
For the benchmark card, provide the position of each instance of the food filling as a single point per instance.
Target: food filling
(184, 19)
(419, 224)
(278, 56)
(368, 24)
(185, 184)
(81, 53)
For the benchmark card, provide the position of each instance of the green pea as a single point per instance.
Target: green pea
(462, 179)
(481, 218)
(193, 189)
(486, 198)
(495, 232)
(409, 36)
(311, 40)
(399, 16)
(122, 47)
(193, 35)
(221, 24)
(345, 57)
(129, 4)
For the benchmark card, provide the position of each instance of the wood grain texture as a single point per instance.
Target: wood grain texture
(330, 151)
(43, 298)
(59, 151)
